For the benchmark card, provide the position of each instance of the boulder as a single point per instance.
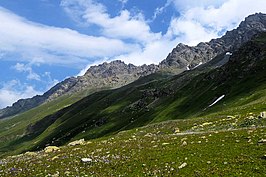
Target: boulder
(77, 142)
(49, 149)
(176, 130)
(184, 143)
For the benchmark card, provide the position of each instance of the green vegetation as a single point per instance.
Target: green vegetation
(156, 150)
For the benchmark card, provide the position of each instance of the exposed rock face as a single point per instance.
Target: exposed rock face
(117, 73)
(106, 75)
(184, 56)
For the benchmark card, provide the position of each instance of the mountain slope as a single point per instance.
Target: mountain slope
(156, 98)
(117, 73)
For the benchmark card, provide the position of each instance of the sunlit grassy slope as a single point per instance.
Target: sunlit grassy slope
(151, 99)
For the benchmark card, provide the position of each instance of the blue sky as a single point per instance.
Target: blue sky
(43, 42)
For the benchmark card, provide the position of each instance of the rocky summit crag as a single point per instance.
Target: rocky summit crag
(183, 56)
(117, 73)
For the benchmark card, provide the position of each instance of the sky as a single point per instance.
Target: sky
(42, 42)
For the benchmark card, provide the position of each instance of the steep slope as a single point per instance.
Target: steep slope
(117, 73)
(241, 83)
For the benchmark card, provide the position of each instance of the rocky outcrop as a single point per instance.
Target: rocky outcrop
(184, 56)
(107, 75)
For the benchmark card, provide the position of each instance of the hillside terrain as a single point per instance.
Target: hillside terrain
(193, 147)
(158, 97)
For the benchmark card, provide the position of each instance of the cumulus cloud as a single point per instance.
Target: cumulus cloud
(13, 90)
(123, 26)
(199, 21)
(207, 19)
(45, 44)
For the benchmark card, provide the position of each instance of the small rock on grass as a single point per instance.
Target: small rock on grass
(184, 143)
(49, 149)
(164, 144)
(182, 165)
(86, 160)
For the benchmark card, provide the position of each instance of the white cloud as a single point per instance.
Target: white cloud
(45, 44)
(207, 19)
(200, 21)
(182, 5)
(20, 67)
(160, 10)
(13, 91)
(189, 32)
(153, 52)
(123, 26)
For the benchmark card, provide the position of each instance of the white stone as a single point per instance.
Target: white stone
(183, 165)
(263, 115)
(86, 160)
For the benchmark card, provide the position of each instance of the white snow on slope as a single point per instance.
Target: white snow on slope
(218, 99)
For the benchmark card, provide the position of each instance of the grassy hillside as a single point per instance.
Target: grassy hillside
(15, 127)
(151, 99)
(201, 148)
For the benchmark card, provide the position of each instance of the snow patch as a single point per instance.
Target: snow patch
(200, 63)
(188, 67)
(218, 99)
(229, 53)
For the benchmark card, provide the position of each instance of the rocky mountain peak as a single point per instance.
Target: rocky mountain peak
(183, 56)
(255, 21)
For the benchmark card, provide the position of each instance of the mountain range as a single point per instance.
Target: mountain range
(116, 73)
(224, 76)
